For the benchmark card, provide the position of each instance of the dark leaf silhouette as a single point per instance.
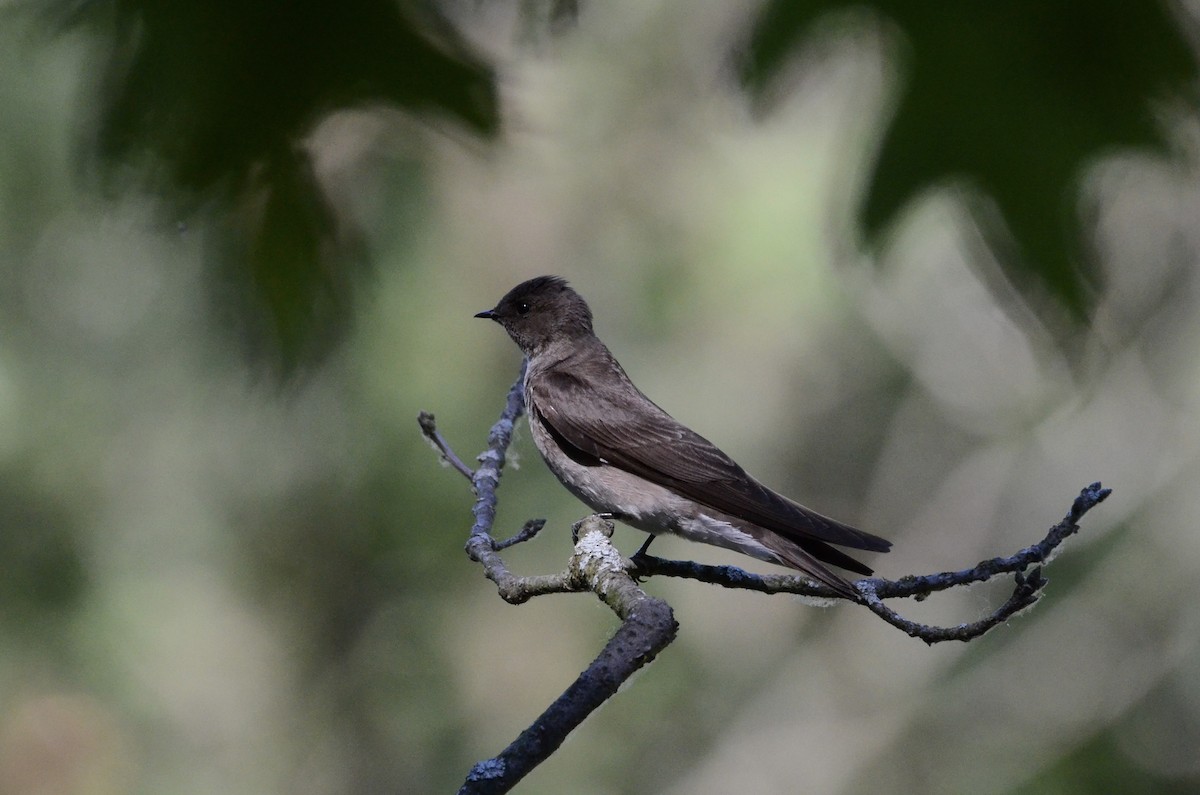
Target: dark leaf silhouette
(213, 98)
(1017, 98)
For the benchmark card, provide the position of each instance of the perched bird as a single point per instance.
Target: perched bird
(621, 454)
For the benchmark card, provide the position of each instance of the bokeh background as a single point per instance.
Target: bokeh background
(929, 272)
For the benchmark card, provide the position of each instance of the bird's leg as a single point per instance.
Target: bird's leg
(640, 557)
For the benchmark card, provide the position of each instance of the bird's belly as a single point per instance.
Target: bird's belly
(717, 530)
(608, 489)
(645, 505)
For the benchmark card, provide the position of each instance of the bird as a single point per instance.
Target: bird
(621, 454)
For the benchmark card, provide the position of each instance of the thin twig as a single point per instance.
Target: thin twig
(429, 428)
(481, 546)
(1027, 591)
(531, 528)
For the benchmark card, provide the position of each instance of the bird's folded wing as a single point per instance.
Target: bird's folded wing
(626, 429)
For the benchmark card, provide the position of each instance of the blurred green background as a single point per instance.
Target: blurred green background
(930, 273)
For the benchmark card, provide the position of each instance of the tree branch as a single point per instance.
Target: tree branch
(648, 624)
(429, 428)
(1026, 591)
(647, 627)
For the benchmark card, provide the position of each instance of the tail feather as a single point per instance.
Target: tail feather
(791, 554)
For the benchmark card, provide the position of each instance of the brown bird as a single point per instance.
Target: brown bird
(621, 454)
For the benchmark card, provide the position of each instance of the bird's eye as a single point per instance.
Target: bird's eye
(523, 308)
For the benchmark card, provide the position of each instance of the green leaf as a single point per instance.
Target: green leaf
(1017, 98)
(210, 100)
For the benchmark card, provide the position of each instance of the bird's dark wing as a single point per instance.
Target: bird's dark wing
(610, 420)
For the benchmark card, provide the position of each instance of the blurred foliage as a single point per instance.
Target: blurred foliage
(207, 585)
(213, 100)
(1099, 766)
(42, 573)
(1017, 98)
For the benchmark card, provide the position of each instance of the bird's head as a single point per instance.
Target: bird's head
(541, 311)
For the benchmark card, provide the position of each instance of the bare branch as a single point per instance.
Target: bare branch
(481, 546)
(1027, 588)
(531, 528)
(647, 627)
(429, 428)
(648, 624)
(1027, 591)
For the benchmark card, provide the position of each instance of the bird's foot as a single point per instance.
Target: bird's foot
(639, 558)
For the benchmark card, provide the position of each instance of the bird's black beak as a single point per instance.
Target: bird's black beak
(489, 314)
